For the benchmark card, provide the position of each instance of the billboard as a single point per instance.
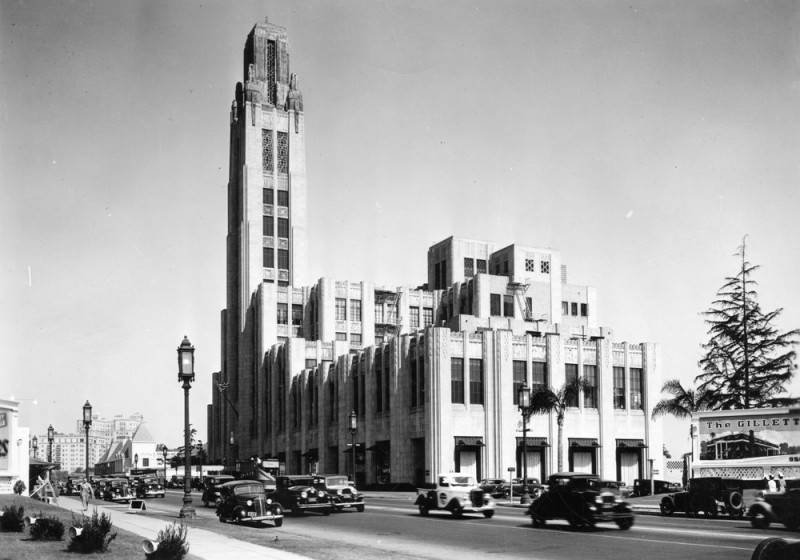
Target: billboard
(753, 435)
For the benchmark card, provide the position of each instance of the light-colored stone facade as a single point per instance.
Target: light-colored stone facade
(298, 358)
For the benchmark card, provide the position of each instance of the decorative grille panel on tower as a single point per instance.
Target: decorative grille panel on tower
(267, 150)
(283, 152)
(271, 94)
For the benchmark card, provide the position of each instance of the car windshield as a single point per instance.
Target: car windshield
(462, 481)
(335, 481)
(248, 489)
(150, 481)
(116, 483)
(300, 482)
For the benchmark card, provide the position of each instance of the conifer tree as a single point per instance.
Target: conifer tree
(747, 361)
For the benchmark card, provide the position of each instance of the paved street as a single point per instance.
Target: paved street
(391, 528)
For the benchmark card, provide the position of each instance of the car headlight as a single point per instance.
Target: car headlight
(269, 501)
(249, 503)
(598, 500)
(304, 494)
(340, 492)
(592, 508)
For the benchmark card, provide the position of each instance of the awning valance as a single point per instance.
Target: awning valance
(583, 442)
(635, 443)
(533, 442)
(469, 441)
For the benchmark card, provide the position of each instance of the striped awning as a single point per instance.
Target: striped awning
(583, 442)
(468, 441)
(533, 442)
(637, 443)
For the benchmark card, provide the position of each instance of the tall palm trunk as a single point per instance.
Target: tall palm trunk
(560, 422)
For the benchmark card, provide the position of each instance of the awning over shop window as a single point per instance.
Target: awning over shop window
(533, 442)
(635, 443)
(469, 441)
(583, 442)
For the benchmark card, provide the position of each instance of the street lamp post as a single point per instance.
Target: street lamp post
(87, 422)
(35, 446)
(50, 437)
(200, 458)
(135, 461)
(186, 376)
(164, 453)
(525, 409)
(353, 430)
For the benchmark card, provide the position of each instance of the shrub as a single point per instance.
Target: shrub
(11, 520)
(19, 487)
(47, 528)
(172, 543)
(96, 534)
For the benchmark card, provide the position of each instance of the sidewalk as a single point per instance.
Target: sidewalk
(203, 544)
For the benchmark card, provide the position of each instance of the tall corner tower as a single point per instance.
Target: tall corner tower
(267, 184)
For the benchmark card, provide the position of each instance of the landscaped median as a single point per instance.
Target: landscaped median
(20, 544)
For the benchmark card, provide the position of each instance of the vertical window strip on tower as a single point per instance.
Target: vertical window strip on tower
(378, 366)
(355, 310)
(413, 317)
(636, 389)
(269, 257)
(520, 377)
(590, 392)
(476, 381)
(341, 309)
(271, 52)
(267, 150)
(538, 376)
(571, 375)
(619, 387)
(283, 152)
(457, 380)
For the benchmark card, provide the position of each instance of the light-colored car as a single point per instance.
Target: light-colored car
(457, 493)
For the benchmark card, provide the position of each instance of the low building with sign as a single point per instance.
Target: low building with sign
(747, 444)
(14, 442)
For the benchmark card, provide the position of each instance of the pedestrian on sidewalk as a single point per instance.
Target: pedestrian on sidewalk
(772, 487)
(86, 494)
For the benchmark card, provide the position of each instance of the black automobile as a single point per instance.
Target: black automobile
(99, 487)
(342, 493)
(244, 501)
(581, 500)
(211, 493)
(148, 487)
(709, 496)
(781, 507)
(641, 487)
(117, 490)
(297, 494)
(495, 487)
(534, 487)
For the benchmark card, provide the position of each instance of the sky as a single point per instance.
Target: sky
(643, 140)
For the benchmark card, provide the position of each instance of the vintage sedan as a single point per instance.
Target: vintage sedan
(707, 495)
(495, 487)
(581, 500)
(244, 501)
(338, 487)
(211, 493)
(781, 507)
(297, 494)
(117, 490)
(99, 487)
(149, 487)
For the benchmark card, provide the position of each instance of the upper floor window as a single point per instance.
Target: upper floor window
(571, 373)
(508, 306)
(544, 267)
(637, 382)
(427, 316)
(619, 387)
(283, 227)
(268, 225)
(355, 339)
(564, 308)
(355, 309)
(469, 267)
(481, 266)
(283, 259)
(341, 309)
(269, 257)
(476, 381)
(267, 151)
(520, 378)
(590, 391)
(297, 314)
(530, 265)
(538, 376)
(283, 152)
(457, 380)
(283, 198)
(584, 310)
(341, 336)
(494, 305)
(269, 196)
(413, 317)
(574, 308)
(283, 314)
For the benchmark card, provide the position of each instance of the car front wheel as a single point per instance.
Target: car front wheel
(423, 511)
(488, 514)
(278, 522)
(360, 508)
(759, 520)
(457, 512)
(537, 521)
(667, 507)
(626, 523)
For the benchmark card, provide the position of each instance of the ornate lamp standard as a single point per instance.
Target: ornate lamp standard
(353, 429)
(87, 423)
(164, 453)
(186, 376)
(135, 461)
(50, 437)
(525, 408)
(35, 446)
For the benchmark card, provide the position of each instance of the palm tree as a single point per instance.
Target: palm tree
(545, 401)
(684, 402)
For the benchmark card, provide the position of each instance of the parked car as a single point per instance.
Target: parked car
(211, 492)
(175, 482)
(495, 487)
(73, 487)
(117, 490)
(782, 507)
(244, 501)
(580, 499)
(709, 496)
(617, 487)
(99, 487)
(641, 487)
(341, 491)
(534, 487)
(296, 494)
(149, 487)
(457, 493)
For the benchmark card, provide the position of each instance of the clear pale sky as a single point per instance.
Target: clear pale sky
(641, 139)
